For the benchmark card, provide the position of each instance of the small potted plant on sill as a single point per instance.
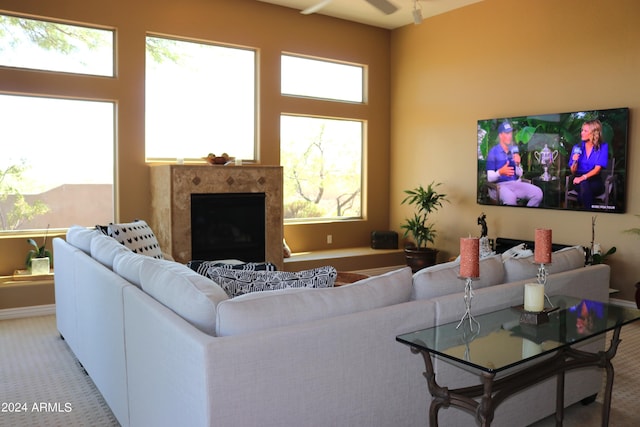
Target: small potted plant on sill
(426, 201)
(39, 259)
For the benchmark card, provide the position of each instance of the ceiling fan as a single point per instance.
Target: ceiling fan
(384, 6)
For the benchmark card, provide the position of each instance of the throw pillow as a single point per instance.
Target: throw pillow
(518, 251)
(138, 237)
(240, 282)
(201, 267)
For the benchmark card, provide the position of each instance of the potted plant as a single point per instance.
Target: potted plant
(39, 259)
(426, 201)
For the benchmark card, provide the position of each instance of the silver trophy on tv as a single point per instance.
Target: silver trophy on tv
(546, 157)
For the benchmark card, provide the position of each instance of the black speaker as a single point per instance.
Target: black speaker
(384, 240)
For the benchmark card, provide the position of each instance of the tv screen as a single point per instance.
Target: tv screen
(571, 161)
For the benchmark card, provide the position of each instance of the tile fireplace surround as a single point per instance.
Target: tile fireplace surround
(171, 189)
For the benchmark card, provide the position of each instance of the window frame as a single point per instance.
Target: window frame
(256, 97)
(114, 47)
(70, 92)
(312, 107)
(363, 88)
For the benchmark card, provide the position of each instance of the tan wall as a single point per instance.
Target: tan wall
(270, 29)
(501, 58)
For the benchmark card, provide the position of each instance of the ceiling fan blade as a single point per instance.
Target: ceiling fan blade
(384, 6)
(315, 8)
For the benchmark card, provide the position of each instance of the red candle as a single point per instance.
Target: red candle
(542, 253)
(469, 257)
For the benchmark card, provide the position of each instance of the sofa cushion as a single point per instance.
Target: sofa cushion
(137, 236)
(443, 279)
(270, 309)
(190, 295)
(80, 237)
(240, 282)
(524, 268)
(104, 249)
(127, 264)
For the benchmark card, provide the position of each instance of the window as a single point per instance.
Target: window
(321, 157)
(200, 99)
(322, 163)
(57, 163)
(44, 45)
(321, 79)
(56, 167)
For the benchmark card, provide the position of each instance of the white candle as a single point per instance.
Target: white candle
(534, 297)
(529, 348)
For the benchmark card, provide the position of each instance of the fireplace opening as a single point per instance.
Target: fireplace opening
(228, 225)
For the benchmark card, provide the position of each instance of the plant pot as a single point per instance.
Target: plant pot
(40, 266)
(421, 258)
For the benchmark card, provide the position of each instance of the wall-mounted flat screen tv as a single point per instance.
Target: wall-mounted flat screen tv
(571, 161)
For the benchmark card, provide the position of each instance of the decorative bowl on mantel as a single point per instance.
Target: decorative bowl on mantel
(224, 159)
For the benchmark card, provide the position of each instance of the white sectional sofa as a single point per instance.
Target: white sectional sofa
(166, 347)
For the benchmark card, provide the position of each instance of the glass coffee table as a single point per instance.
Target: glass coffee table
(511, 355)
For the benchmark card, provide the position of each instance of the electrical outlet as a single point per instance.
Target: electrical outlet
(329, 239)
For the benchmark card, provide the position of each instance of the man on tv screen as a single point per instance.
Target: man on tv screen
(504, 169)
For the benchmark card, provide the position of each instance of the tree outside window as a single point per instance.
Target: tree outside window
(322, 163)
(57, 164)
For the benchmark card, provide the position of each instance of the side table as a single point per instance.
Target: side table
(565, 328)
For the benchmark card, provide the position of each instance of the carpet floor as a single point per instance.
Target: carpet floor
(42, 384)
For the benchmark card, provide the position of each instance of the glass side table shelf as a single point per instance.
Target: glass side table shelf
(517, 344)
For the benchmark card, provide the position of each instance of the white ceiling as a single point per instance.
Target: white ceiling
(362, 12)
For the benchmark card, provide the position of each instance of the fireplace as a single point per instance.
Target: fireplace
(228, 225)
(172, 187)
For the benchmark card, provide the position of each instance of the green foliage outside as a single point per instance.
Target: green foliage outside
(65, 39)
(320, 179)
(20, 210)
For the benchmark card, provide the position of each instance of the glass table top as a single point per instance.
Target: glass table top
(502, 341)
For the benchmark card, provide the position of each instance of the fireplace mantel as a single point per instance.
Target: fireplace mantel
(171, 189)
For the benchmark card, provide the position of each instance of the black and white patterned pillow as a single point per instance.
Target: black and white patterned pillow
(137, 236)
(240, 282)
(201, 267)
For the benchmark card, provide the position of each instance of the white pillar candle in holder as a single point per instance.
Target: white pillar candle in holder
(534, 297)
(530, 348)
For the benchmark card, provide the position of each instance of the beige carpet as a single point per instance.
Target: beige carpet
(40, 374)
(38, 371)
(626, 389)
